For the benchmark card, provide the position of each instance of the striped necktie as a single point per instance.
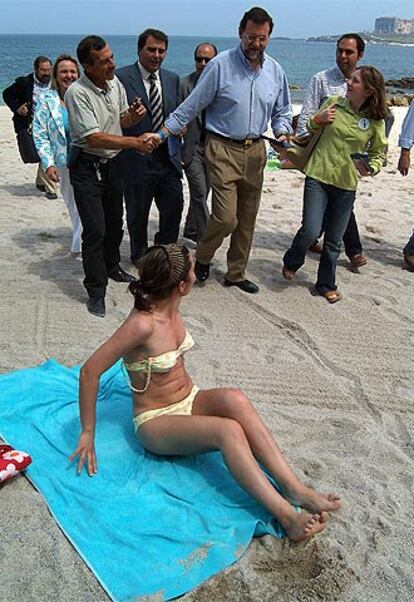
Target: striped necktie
(155, 104)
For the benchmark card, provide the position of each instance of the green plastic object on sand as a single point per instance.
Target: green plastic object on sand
(272, 162)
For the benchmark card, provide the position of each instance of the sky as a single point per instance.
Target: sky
(294, 18)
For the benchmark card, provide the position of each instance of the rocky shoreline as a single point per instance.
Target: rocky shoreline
(397, 95)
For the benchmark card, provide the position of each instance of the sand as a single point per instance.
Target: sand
(333, 383)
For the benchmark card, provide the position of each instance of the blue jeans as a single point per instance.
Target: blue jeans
(335, 205)
(409, 247)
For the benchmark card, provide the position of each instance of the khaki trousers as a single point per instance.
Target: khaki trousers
(236, 176)
(43, 180)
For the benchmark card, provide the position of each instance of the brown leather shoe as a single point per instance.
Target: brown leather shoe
(316, 247)
(357, 261)
(409, 260)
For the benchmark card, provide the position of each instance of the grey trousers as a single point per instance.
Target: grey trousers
(198, 213)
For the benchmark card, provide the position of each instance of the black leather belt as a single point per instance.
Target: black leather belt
(246, 142)
(94, 158)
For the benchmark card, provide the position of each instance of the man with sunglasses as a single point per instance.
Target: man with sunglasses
(242, 89)
(192, 152)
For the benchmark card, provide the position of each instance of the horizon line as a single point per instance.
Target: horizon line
(178, 35)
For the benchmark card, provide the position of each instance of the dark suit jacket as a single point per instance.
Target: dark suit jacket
(130, 76)
(195, 127)
(14, 96)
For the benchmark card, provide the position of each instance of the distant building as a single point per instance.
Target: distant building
(394, 25)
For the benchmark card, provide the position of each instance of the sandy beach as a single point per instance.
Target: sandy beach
(334, 384)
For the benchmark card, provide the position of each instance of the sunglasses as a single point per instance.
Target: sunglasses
(200, 59)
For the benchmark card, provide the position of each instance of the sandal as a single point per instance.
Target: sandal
(288, 274)
(330, 296)
(357, 261)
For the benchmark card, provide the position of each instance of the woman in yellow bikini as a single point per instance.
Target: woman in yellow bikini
(173, 417)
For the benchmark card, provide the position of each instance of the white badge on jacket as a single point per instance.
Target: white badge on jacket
(364, 123)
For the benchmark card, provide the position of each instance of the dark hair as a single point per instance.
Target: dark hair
(205, 44)
(353, 36)
(160, 270)
(257, 15)
(155, 33)
(85, 47)
(40, 59)
(374, 82)
(60, 59)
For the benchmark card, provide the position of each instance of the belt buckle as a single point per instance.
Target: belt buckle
(247, 142)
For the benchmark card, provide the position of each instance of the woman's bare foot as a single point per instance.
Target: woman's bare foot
(313, 501)
(303, 525)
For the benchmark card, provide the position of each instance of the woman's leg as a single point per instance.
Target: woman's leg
(69, 198)
(315, 199)
(351, 238)
(233, 404)
(339, 209)
(189, 435)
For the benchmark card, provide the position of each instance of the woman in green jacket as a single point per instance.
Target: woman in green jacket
(351, 125)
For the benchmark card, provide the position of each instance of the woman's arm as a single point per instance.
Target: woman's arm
(41, 135)
(377, 148)
(325, 116)
(133, 333)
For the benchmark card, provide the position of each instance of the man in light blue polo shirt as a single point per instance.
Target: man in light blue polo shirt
(242, 90)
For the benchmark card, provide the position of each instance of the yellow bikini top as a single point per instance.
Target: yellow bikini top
(160, 363)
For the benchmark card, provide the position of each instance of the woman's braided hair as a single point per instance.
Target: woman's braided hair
(159, 271)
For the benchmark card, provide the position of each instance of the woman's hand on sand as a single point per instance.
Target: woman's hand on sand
(53, 174)
(327, 116)
(86, 452)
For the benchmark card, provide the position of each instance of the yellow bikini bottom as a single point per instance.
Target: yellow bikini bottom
(181, 408)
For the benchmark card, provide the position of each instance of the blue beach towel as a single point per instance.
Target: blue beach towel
(145, 524)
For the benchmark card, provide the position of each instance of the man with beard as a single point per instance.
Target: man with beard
(241, 89)
(192, 152)
(331, 82)
(21, 97)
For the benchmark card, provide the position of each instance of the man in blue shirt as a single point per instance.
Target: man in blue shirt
(242, 89)
(406, 142)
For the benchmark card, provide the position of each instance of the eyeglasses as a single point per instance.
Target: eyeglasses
(252, 38)
(200, 59)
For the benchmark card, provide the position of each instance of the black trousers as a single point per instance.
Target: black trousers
(99, 199)
(161, 182)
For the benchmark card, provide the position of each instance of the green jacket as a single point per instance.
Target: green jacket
(351, 132)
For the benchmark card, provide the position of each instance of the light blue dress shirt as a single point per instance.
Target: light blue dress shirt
(407, 131)
(239, 101)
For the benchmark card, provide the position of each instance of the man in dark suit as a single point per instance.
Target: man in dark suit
(192, 153)
(156, 176)
(21, 98)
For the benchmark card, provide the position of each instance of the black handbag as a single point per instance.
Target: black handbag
(27, 147)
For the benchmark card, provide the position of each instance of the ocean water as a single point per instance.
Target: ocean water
(299, 58)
